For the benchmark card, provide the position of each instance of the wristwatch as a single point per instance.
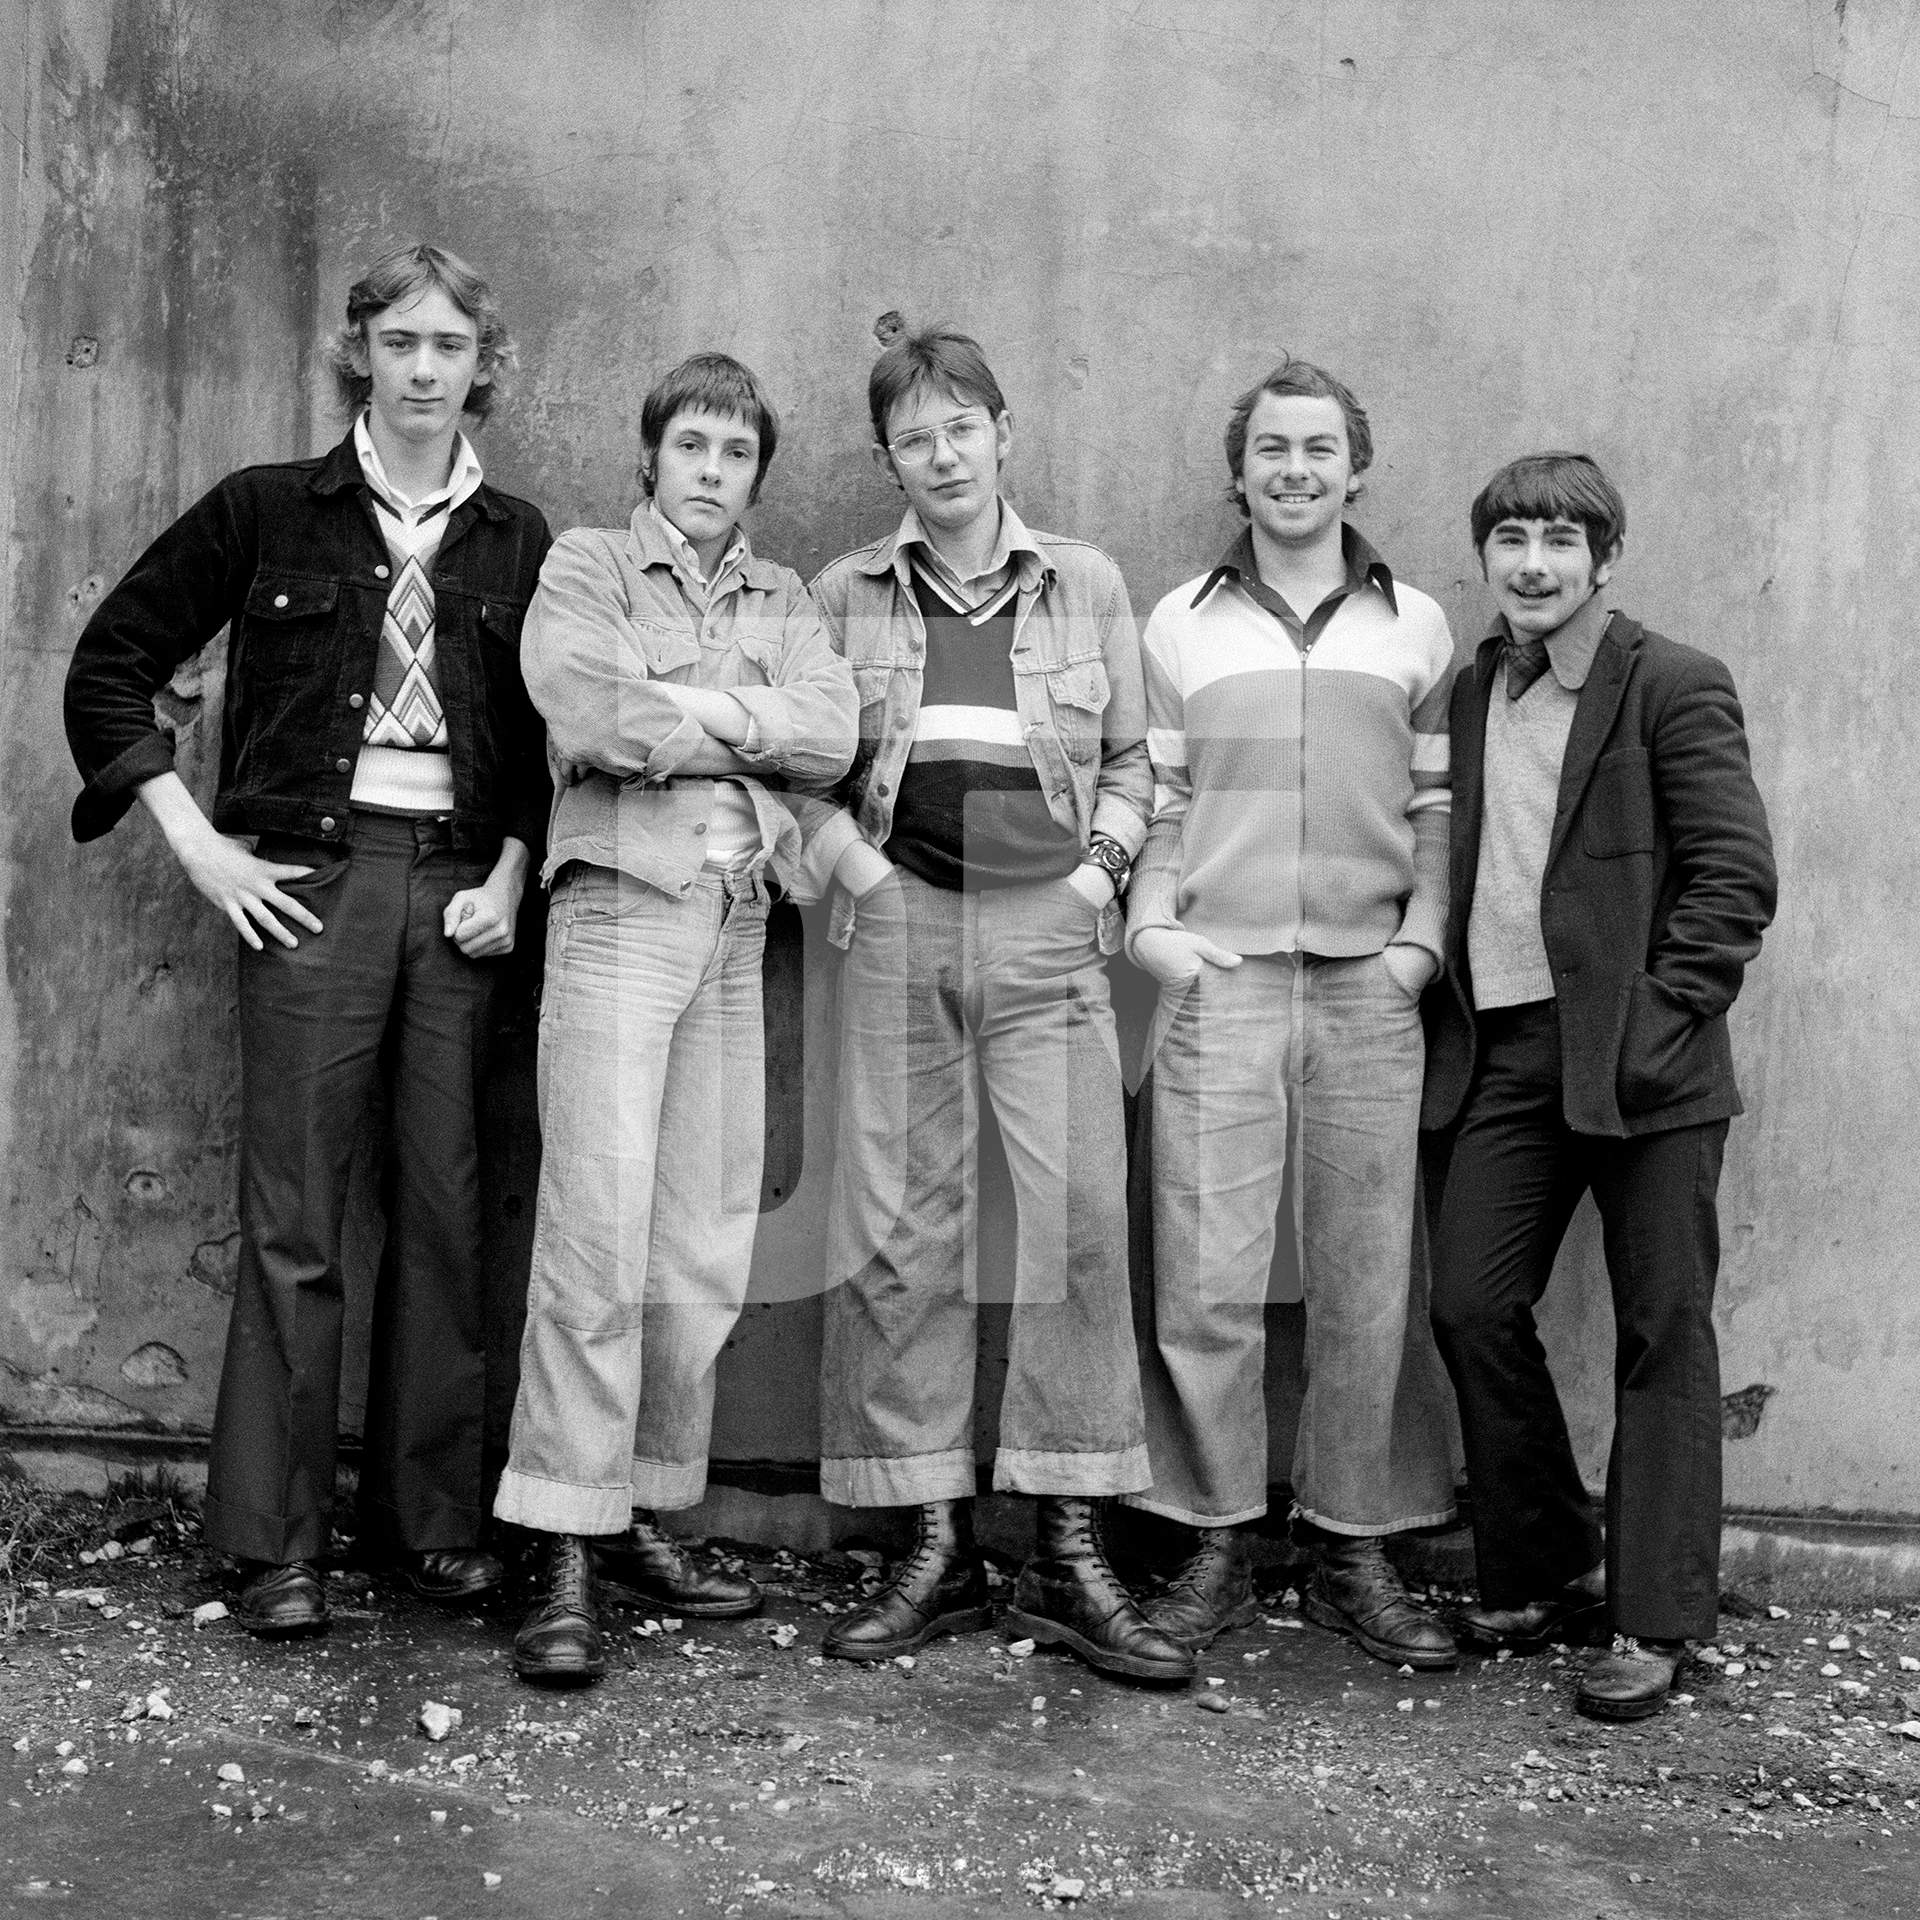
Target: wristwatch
(1114, 859)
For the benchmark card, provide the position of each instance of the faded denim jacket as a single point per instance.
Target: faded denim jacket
(1077, 680)
(617, 615)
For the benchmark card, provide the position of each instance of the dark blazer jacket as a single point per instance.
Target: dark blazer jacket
(1659, 883)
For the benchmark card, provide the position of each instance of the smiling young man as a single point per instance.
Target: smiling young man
(1290, 902)
(382, 780)
(686, 682)
(999, 795)
(1612, 875)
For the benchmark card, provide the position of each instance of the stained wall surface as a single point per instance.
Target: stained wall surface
(1673, 232)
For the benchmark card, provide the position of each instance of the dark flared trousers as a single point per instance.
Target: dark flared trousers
(1515, 1175)
(382, 980)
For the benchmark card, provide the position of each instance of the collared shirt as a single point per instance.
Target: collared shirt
(1364, 566)
(976, 589)
(687, 555)
(1571, 645)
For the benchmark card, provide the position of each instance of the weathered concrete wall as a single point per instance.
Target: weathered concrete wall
(1674, 232)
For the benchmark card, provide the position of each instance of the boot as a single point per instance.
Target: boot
(450, 1574)
(1355, 1591)
(1212, 1591)
(1068, 1595)
(1630, 1682)
(645, 1567)
(559, 1643)
(941, 1587)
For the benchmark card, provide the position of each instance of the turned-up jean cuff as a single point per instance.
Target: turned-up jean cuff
(1083, 1476)
(1150, 1502)
(914, 1481)
(556, 1506)
(1369, 1529)
(668, 1486)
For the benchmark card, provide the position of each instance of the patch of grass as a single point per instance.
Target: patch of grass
(37, 1527)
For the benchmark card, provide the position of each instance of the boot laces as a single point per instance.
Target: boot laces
(567, 1581)
(925, 1555)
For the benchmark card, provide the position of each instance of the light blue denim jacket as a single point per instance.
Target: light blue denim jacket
(612, 621)
(1077, 681)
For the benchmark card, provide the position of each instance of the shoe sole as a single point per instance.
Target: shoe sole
(625, 1596)
(277, 1630)
(561, 1676)
(1050, 1633)
(1596, 1709)
(1585, 1627)
(967, 1620)
(447, 1596)
(1330, 1617)
(1241, 1616)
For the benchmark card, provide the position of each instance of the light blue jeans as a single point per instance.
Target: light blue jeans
(652, 1098)
(1006, 984)
(1235, 1052)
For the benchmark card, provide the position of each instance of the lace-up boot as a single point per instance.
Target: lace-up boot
(1355, 1591)
(559, 1644)
(941, 1587)
(1212, 1591)
(1068, 1595)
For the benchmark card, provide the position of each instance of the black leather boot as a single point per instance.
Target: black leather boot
(1068, 1595)
(1355, 1591)
(450, 1574)
(1212, 1591)
(559, 1643)
(941, 1587)
(1631, 1681)
(645, 1567)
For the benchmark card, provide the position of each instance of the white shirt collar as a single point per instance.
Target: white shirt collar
(461, 483)
(689, 555)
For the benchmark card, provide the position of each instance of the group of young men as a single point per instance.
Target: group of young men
(1487, 922)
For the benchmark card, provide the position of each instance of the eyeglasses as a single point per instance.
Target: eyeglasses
(967, 434)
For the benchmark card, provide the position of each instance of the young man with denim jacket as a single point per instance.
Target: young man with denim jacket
(1290, 902)
(998, 798)
(382, 782)
(691, 697)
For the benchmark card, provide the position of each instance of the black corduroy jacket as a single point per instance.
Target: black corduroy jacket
(292, 560)
(1659, 883)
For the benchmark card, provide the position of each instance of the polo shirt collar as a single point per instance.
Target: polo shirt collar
(1572, 645)
(1364, 566)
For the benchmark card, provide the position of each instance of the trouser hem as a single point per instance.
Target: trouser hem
(1373, 1529)
(552, 1506)
(668, 1487)
(444, 1528)
(275, 1538)
(909, 1482)
(1166, 1509)
(1092, 1476)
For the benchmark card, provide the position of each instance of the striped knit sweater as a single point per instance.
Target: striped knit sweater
(1301, 786)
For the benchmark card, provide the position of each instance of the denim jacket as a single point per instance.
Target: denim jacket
(1077, 681)
(291, 559)
(613, 622)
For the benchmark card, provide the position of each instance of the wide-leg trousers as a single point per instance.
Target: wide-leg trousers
(314, 1021)
(1515, 1175)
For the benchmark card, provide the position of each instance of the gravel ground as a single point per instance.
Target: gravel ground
(160, 1761)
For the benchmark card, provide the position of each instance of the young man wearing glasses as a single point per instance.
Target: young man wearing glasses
(998, 796)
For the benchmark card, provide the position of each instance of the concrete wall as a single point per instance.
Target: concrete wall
(1674, 232)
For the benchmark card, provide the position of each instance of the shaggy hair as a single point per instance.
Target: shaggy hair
(708, 383)
(1553, 486)
(1297, 379)
(934, 360)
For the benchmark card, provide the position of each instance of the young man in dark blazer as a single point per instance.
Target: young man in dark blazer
(1610, 877)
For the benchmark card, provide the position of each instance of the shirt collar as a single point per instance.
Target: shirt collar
(1364, 566)
(659, 543)
(1013, 546)
(684, 551)
(1571, 645)
(461, 483)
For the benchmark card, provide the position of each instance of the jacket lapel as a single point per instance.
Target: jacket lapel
(1593, 720)
(1467, 761)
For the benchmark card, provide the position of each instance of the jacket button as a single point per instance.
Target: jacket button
(343, 766)
(279, 599)
(701, 828)
(327, 824)
(356, 701)
(883, 790)
(380, 573)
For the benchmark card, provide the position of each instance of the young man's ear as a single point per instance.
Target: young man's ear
(1002, 437)
(357, 352)
(1603, 568)
(883, 462)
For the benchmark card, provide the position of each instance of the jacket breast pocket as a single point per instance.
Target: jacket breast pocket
(759, 660)
(288, 624)
(1077, 694)
(665, 647)
(1617, 813)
